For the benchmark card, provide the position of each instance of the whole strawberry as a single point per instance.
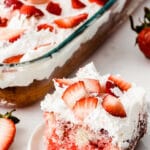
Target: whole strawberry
(143, 30)
(7, 129)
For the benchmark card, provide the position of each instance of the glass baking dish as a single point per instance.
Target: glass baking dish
(23, 83)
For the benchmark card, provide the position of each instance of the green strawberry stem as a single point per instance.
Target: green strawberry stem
(8, 115)
(144, 24)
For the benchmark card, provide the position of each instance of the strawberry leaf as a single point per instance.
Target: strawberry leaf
(147, 13)
(14, 119)
(8, 115)
(144, 24)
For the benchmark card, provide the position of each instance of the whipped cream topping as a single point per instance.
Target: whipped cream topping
(25, 74)
(120, 129)
(32, 36)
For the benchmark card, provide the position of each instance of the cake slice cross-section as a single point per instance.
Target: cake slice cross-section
(94, 112)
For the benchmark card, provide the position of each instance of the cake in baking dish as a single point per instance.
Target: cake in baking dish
(30, 29)
(94, 112)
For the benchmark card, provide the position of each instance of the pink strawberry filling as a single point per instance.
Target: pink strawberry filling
(69, 136)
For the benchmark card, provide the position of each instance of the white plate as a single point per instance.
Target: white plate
(36, 140)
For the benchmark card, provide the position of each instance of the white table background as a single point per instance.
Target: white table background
(117, 55)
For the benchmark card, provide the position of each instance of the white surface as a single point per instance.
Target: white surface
(118, 55)
(36, 141)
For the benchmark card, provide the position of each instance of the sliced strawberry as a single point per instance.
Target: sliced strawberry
(7, 133)
(10, 34)
(14, 38)
(54, 8)
(70, 22)
(92, 85)
(99, 2)
(7, 129)
(122, 84)
(15, 4)
(3, 22)
(73, 93)
(84, 107)
(63, 82)
(37, 1)
(13, 59)
(77, 4)
(113, 106)
(109, 86)
(44, 27)
(30, 11)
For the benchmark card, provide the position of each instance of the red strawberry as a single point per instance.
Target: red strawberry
(30, 11)
(143, 41)
(3, 22)
(15, 4)
(14, 38)
(73, 93)
(7, 130)
(10, 34)
(109, 86)
(113, 106)
(143, 31)
(63, 82)
(45, 26)
(77, 4)
(70, 22)
(99, 2)
(92, 85)
(54, 8)
(84, 107)
(122, 84)
(13, 59)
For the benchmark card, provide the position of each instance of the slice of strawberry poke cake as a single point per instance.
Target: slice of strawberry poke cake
(93, 112)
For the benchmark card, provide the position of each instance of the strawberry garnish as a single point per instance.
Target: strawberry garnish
(122, 84)
(70, 22)
(14, 38)
(13, 59)
(73, 93)
(37, 1)
(92, 85)
(44, 27)
(30, 11)
(143, 31)
(3, 22)
(109, 86)
(113, 106)
(84, 107)
(7, 130)
(77, 4)
(63, 82)
(15, 4)
(99, 2)
(54, 8)
(10, 34)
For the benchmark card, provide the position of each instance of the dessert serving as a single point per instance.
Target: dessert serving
(47, 38)
(94, 112)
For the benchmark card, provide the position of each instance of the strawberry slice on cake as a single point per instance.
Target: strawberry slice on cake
(93, 112)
